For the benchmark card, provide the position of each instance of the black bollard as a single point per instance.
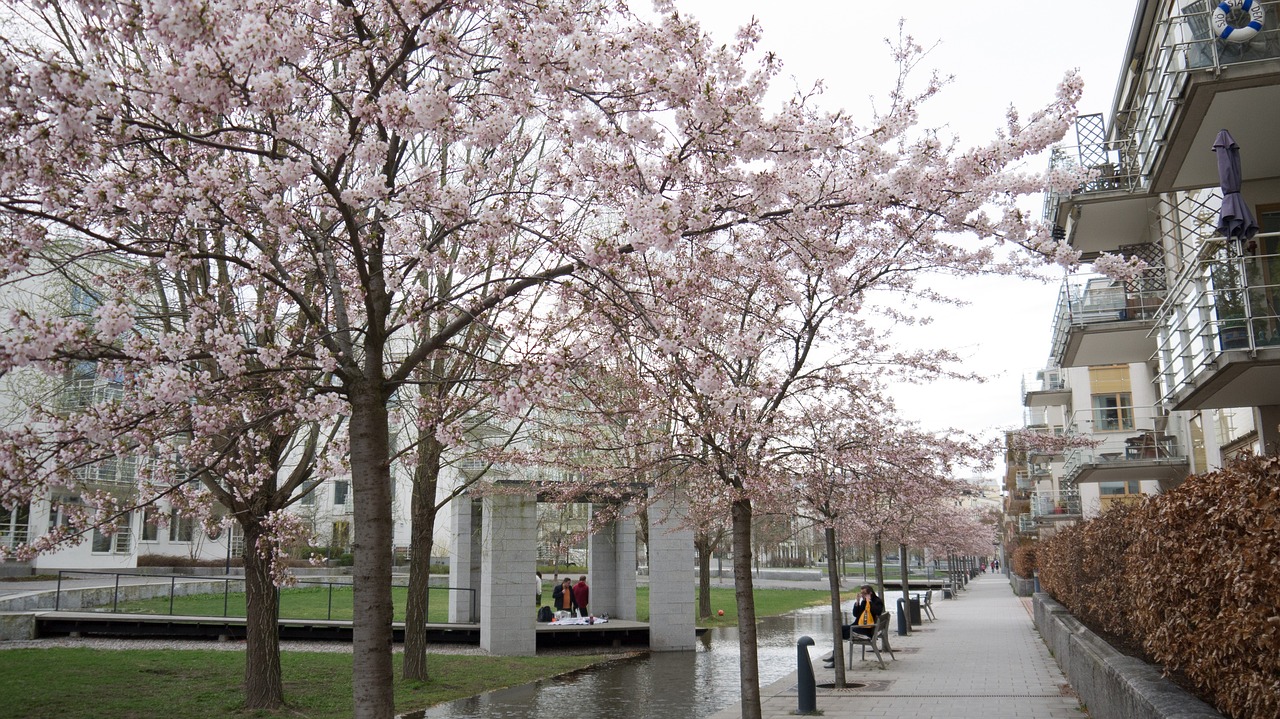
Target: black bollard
(806, 685)
(902, 619)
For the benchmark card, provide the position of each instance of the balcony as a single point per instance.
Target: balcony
(1101, 321)
(1188, 84)
(1046, 388)
(1026, 523)
(1022, 482)
(1061, 504)
(1133, 443)
(1219, 332)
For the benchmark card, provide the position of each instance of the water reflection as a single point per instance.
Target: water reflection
(669, 684)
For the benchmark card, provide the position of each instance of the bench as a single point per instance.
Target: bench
(926, 604)
(879, 637)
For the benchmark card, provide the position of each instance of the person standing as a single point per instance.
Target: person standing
(537, 585)
(581, 593)
(562, 597)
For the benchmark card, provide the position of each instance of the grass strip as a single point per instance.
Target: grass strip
(73, 683)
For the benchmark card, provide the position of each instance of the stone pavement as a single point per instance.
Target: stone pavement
(982, 659)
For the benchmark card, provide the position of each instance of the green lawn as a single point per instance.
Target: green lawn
(335, 603)
(91, 684)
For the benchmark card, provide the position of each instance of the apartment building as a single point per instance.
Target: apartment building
(1173, 371)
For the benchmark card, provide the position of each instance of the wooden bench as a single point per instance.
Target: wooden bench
(879, 636)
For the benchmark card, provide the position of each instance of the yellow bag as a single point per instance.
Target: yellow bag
(864, 619)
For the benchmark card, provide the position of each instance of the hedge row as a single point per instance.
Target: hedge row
(1192, 576)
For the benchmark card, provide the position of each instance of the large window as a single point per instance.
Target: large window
(340, 488)
(118, 542)
(1112, 401)
(1112, 412)
(1113, 493)
(181, 529)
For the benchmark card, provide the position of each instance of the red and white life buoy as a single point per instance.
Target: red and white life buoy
(1226, 31)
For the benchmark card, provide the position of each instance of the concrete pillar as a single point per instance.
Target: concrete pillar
(611, 564)
(671, 574)
(464, 568)
(509, 557)
(1267, 420)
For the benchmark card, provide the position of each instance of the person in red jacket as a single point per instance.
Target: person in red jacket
(581, 593)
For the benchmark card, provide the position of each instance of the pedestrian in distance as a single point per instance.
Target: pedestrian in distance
(581, 593)
(537, 585)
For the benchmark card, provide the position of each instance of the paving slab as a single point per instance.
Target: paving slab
(981, 659)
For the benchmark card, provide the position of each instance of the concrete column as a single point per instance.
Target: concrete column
(671, 574)
(464, 567)
(1267, 420)
(509, 555)
(611, 564)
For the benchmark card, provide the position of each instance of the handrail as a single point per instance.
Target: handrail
(227, 581)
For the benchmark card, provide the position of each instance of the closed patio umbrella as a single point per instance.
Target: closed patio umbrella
(1234, 219)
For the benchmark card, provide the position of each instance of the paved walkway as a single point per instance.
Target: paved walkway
(982, 659)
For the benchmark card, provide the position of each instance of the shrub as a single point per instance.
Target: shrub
(1192, 577)
(1024, 560)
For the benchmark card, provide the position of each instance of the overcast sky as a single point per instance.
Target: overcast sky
(998, 55)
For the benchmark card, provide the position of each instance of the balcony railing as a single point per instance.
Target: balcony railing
(1059, 503)
(1182, 44)
(1026, 523)
(1022, 481)
(1124, 434)
(1227, 299)
(13, 536)
(1092, 299)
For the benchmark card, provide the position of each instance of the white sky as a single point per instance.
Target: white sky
(998, 57)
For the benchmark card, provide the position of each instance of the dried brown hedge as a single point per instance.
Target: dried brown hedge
(1024, 560)
(1193, 576)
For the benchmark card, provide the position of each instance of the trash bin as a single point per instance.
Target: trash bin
(916, 619)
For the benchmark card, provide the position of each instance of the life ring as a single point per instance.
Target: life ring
(1226, 31)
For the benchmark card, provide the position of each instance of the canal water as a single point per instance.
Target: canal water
(657, 685)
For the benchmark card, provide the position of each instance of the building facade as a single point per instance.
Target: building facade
(1177, 369)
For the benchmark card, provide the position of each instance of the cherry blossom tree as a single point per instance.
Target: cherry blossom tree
(329, 155)
(746, 330)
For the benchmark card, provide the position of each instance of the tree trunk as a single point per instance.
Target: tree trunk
(263, 683)
(743, 590)
(372, 676)
(837, 618)
(879, 550)
(422, 518)
(704, 548)
(906, 595)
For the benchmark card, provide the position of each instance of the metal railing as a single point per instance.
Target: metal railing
(1227, 299)
(1183, 46)
(13, 536)
(1055, 503)
(232, 594)
(1124, 433)
(1091, 299)
(1026, 523)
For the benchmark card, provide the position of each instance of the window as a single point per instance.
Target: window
(150, 527)
(340, 488)
(1112, 401)
(1112, 412)
(1114, 493)
(181, 529)
(118, 542)
(60, 510)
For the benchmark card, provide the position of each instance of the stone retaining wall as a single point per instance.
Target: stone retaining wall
(1110, 684)
(1022, 587)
